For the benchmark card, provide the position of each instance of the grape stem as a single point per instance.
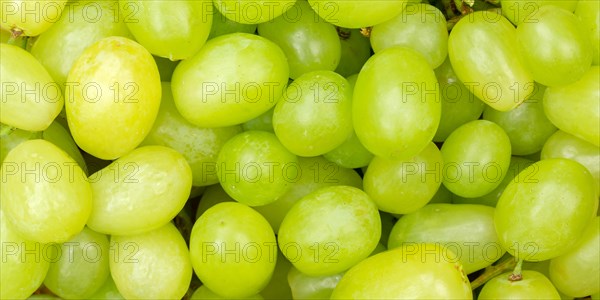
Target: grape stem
(493, 271)
(15, 34)
(516, 274)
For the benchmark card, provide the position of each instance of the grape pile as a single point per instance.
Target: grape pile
(299, 149)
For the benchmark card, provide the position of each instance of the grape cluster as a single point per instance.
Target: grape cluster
(293, 149)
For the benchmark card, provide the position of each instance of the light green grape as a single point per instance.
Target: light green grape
(572, 108)
(111, 109)
(357, 14)
(221, 85)
(12, 137)
(562, 144)
(254, 168)
(577, 272)
(313, 173)
(108, 291)
(513, 174)
(24, 263)
(467, 230)
(534, 285)
(350, 154)
(279, 288)
(526, 126)
(30, 97)
(233, 250)
(311, 287)
(30, 17)
(330, 230)
(406, 273)
(421, 27)
(199, 146)
(204, 293)
(403, 186)
(151, 265)
(213, 195)
(58, 48)
(315, 114)
(140, 191)
(309, 43)
(222, 25)
(484, 54)
(556, 48)
(459, 105)
(172, 29)
(526, 11)
(393, 120)
(560, 192)
(355, 51)
(476, 157)
(45, 194)
(82, 266)
(263, 122)
(589, 13)
(253, 11)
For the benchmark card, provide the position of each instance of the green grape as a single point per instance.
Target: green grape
(350, 154)
(313, 173)
(309, 43)
(213, 195)
(166, 67)
(589, 13)
(58, 48)
(111, 110)
(312, 287)
(233, 250)
(476, 156)
(526, 126)
(484, 54)
(393, 120)
(12, 137)
(199, 146)
(408, 272)
(254, 168)
(263, 122)
(560, 191)
(419, 26)
(279, 288)
(466, 229)
(526, 11)
(315, 114)
(459, 105)
(108, 291)
(59, 136)
(513, 174)
(221, 85)
(534, 285)
(30, 97)
(45, 194)
(443, 195)
(151, 265)
(403, 186)
(253, 11)
(357, 14)
(573, 108)
(355, 51)
(556, 48)
(577, 272)
(204, 293)
(171, 29)
(222, 25)
(562, 144)
(24, 263)
(330, 230)
(139, 192)
(31, 17)
(82, 266)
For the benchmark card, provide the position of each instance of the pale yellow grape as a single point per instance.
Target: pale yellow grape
(31, 17)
